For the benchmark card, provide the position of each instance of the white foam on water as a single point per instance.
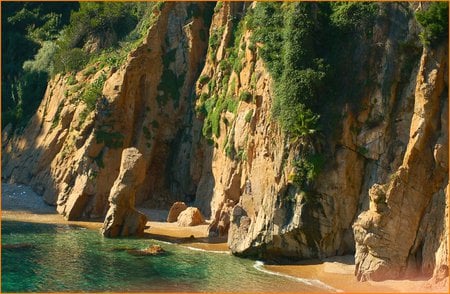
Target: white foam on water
(205, 250)
(166, 242)
(259, 265)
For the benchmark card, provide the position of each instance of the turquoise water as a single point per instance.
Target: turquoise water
(66, 258)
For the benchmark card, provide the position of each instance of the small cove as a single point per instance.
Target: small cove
(55, 257)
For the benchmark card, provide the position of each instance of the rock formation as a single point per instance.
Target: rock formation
(209, 134)
(149, 251)
(191, 216)
(175, 211)
(122, 219)
(396, 208)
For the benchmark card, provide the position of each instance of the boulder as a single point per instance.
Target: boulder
(191, 216)
(122, 218)
(175, 211)
(150, 250)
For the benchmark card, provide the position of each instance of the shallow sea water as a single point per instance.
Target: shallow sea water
(63, 258)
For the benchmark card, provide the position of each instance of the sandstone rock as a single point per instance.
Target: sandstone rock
(388, 235)
(175, 211)
(221, 223)
(191, 216)
(122, 218)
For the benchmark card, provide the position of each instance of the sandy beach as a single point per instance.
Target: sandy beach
(20, 203)
(337, 272)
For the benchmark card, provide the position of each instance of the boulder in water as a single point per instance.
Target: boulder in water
(150, 250)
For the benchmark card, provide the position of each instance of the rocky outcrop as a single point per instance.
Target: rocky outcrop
(122, 219)
(175, 211)
(221, 221)
(397, 207)
(191, 216)
(151, 250)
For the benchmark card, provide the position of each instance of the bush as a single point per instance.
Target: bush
(434, 22)
(353, 16)
(246, 96)
(306, 169)
(231, 104)
(43, 60)
(111, 139)
(99, 19)
(69, 61)
(71, 80)
(90, 96)
(203, 80)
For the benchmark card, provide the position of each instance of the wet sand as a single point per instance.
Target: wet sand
(20, 203)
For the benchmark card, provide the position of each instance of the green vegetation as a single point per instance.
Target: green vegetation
(434, 22)
(218, 6)
(221, 92)
(170, 82)
(90, 96)
(214, 42)
(43, 39)
(56, 118)
(303, 46)
(249, 115)
(28, 31)
(203, 80)
(306, 170)
(110, 139)
(349, 17)
(246, 96)
(147, 134)
(71, 80)
(298, 73)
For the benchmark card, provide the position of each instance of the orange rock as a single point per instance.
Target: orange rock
(175, 211)
(191, 216)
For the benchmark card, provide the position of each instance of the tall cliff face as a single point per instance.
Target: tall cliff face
(205, 128)
(146, 103)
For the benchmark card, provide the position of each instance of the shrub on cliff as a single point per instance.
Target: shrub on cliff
(292, 62)
(434, 22)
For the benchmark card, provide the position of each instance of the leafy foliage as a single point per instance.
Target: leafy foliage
(351, 16)
(434, 22)
(111, 139)
(297, 71)
(90, 96)
(28, 28)
(306, 169)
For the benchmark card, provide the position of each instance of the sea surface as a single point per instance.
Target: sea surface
(62, 258)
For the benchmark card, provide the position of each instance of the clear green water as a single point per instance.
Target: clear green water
(67, 258)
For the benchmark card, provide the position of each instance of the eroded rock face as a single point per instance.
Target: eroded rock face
(191, 216)
(221, 221)
(73, 158)
(175, 211)
(122, 218)
(387, 231)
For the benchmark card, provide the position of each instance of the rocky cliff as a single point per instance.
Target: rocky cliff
(196, 99)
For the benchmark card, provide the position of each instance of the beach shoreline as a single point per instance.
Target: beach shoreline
(336, 272)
